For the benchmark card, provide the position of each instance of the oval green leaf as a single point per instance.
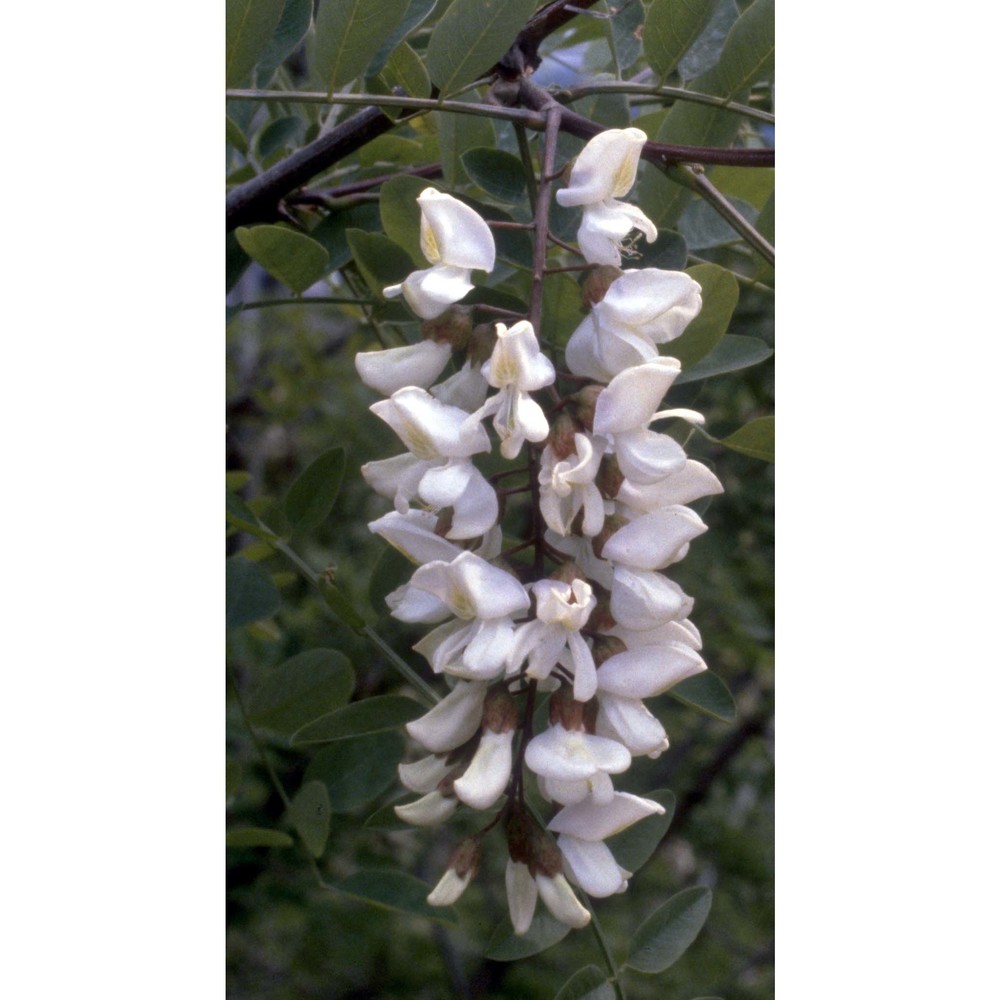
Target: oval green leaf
(405, 69)
(380, 261)
(544, 932)
(348, 33)
(312, 496)
(633, 847)
(672, 26)
(719, 294)
(416, 13)
(295, 20)
(301, 690)
(372, 715)
(249, 27)
(732, 353)
(670, 931)
(293, 258)
(755, 439)
(471, 36)
(708, 693)
(257, 836)
(392, 890)
(590, 983)
(250, 593)
(310, 815)
(357, 771)
(498, 173)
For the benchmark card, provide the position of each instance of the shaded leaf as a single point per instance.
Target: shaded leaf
(310, 815)
(302, 689)
(312, 496)
(471, 36)
(590, 983)
(242, 517)
(562, 307)
(237, 261)
(249, 27)
(668, 252)
(627, 32)
(380, 260)
(385, 818)
(400, 213)
(669, 932)
(634, 846)
(416, 13)
(498, 173)
(278, 135)
(234, 772)
(357, 771)
(732, 353)
(459, 133)
(672, 26)
(394, 890)
(250, 594)
(331, 233)
(295, 20)
(405, 69)
(708, 693)
(707, 48)
(755, 439)
(392, 570)
(348, 33)
(544, 932)
(340, 604)
(372, 715)
(235, 136)
(293, 258)
(703, 227)
(719, 294)
(257, 836)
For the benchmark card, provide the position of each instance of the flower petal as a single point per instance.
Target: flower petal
(416, 364)
(487, 775)
(452, 720)
(454, 234)
(592, 866)
(522, 895)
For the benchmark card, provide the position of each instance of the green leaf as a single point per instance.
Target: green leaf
(249, 27)
(627, 31)
(755, 439)
(257, 836)
(392, 890)
(310, 815)
(457, 134)
(669, 252)
(719, 294)
(590, 983)
(381, 261)
(385, 818)
(400, 213)
(471, 36)
(672, 26)
(703, 227)
(295, 20)
(392, 570)
(731, 354)
(705, 52)
(237, 261)
(279, 134)
(669, 932)
(751, 184)
(302, 689)
(708, 693)
(312, 496)
(405, 69)
(235, 136)
(236, 479)
(348, 33)
(241, 516)
(498, 173)
(250, 594)
(562, 307)
(234, 772)
(357, 771)
(544, 932)
(416, 13)
(634, 846)
(331, 233)
(372, 715)
(291, 257)
(340, 604)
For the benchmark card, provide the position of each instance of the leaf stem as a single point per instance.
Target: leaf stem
(602, 943)
(301, 300)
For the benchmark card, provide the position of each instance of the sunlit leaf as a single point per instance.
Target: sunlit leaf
(293, 258)
(393, 890)
(671, 28)
(471, 36)
(663, 937)
(310, 815)
(303, 688)
(312, 496)
(250, 594)
(371, 715)
(755, 439)
(707, 48)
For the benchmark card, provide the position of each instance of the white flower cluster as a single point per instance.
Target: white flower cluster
(607, 628)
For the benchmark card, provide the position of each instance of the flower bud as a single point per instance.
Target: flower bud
(562, 436)
(567, 573)
(609, 477)
(499, 710)
(598, 282)
(453, 326)
(611, 525)
(584, 404)
(462, 867)
(519, 834)
(601, 619)
(606, 646)
(564, 710)
(482, 340)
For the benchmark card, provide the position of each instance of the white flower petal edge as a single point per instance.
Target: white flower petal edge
(392, 369)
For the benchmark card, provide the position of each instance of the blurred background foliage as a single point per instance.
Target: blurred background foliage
(293, 394)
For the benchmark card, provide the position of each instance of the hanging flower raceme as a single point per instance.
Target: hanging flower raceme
(603, 172)
(456, 241)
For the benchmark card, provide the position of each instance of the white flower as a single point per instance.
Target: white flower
(604, 171)
(466, 389)
(690, 482)
(462, 867)
(654, 540)
(629, 722)
(426, 774)
(643, 599)
(561, 901)
(488, 773)
(429, 428)
(414, 536)
(522, 895)
(647, 671)
(452, 721)
(641, 309)
(516, 368)
(392, 369)
(455, 240)
(562, 609)
(568, 486)
(430, 810)
(477, 593)
(576, 763)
